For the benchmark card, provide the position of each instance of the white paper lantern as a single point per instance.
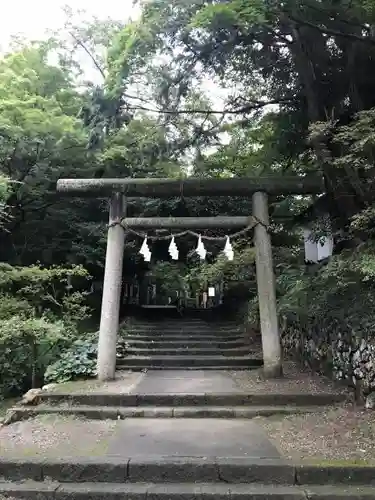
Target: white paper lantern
(228, 249)
(201, 251)
(173, 250)
(145, 251)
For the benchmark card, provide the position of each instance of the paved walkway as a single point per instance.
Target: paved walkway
(185, 382)
(190, 437)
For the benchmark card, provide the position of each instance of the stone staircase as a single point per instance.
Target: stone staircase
(179, 433)
(181, 478)
(189, 344)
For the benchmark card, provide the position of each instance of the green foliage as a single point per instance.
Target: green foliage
(239, 13)
(27, 346)
(169, 278)
(78, 361)
(11, 306)
(240, 269)
(4, 193)
(39, 317)
(341, 289)
(237, 276)
(47, 290)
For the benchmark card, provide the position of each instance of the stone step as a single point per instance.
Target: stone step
(188, 361)
(191, 331)
(186, 412)
(173, 469)
(181, 337)
(175, 400)
(182, 323)
(180, 491)
(135, 368)
(191, 351)
(178, 344)
(148, 470)
(183, 328)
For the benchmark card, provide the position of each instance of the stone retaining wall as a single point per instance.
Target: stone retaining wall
(332, 348)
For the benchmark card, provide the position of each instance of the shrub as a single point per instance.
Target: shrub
(40, 316)
(78, 361)
(47, 290)
(12, 306)
(27, 346)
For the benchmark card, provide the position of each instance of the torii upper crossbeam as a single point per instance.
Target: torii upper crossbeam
(168, 188)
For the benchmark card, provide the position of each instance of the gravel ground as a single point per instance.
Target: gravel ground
(55, 436)
(295, 380)
(336, 435)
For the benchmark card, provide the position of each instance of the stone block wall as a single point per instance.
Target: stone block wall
(332, 348)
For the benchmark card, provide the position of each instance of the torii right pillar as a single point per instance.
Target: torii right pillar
(271, 343)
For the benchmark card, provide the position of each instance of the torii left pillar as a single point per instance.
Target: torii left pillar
(110, 315)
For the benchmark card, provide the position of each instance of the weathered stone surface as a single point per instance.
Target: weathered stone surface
(19, 469)
(190, 437)
(31, 397)
(131, 412)
(173, 470)
(370, 401)
(336, 493)
(12, 415)
(179, 382)
(90, 399)
(170, 399)
(154, 362)
(97, 491)
(113, 470)
(158, 412)
(311, 474)
(174, 491)
(333, 349)
(202, 411)
(265, 492)
(29, 490)
(185, 343)
(49, 387)
(245, 470)
(217, 491)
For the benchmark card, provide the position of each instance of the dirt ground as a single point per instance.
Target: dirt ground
(337, 435)
(344, 433)
(54, 436)
(295, 380)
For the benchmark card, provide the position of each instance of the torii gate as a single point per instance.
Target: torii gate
(118, 190)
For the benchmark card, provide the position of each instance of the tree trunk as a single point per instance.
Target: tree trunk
(337, 185)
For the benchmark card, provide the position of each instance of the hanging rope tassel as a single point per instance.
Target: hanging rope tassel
(228, 249)
(201, 251)
(173, 250)
(145, 251)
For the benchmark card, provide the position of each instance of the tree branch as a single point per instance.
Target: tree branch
(255, 105)
(329, 31)
(83, 46)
